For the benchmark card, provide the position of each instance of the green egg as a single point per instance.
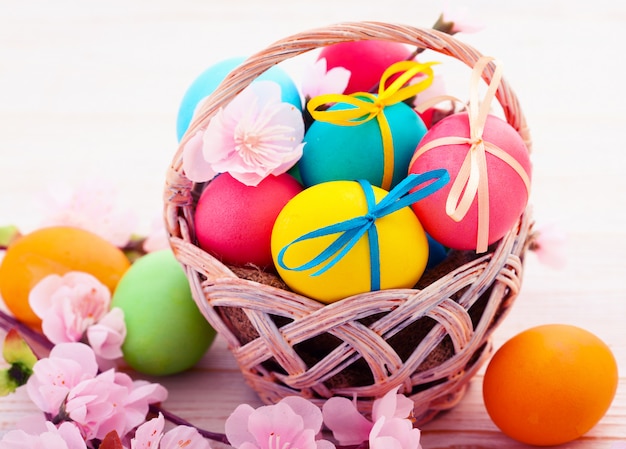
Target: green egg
(166, 333)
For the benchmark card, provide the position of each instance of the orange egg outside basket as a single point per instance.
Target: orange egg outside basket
(429, 340)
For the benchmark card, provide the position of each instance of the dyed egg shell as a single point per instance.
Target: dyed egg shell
(550, 384)
(508, 196)
(55, 250)
(234, 221)
(335, 152)
(366, 60)
(402, 241)
(166, 333)
(437, 253)
(207, 82)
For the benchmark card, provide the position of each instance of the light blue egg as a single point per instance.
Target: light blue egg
(335, 152)
(208, 81)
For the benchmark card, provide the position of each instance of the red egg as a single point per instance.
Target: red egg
(508, 192)
(234, 221)
(366, 60)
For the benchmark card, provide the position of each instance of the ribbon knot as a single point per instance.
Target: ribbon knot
(472, 181)
(371, 218)
(366, 106)
(350, 231)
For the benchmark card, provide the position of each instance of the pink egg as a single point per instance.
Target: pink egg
(366, 60)
(234, 221)
(508, 193)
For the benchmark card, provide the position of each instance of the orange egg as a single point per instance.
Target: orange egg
(55, 250)
(550, 384)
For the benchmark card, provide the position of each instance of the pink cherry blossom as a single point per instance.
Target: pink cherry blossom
(318, 80)
(550, 246)
(292, 422)
(350, 427)
(96, 406)
(156, 239)
(254, 136)
(77, 304)
(107, 335)
(54, 377)
(66, 386)
(66, 436)
(69, 304)
(394, 433)
(111, 401)
(94, 206)
(140, 395)
(150, 436)
(460, 20)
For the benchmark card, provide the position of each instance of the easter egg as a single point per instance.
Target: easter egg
(206, 83)
(335, 152)
(55, 250)
(165, 331)
(550, 384)
(366, 60)
(507, 192)
(234, 221)
(403, 246)
(437, 253)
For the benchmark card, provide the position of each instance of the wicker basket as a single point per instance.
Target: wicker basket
(428, 341)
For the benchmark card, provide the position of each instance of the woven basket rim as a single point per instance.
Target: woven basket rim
(208, 276)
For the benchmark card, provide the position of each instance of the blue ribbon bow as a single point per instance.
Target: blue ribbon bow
(351, 230)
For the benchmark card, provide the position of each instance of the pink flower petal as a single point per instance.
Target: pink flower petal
(107, 336)
(93, 205)
(18, 439)
(236, 425)
(140, 394)
(157, 239)
(309, 412)
(277, 425)
(550, 246)
(394, 433)
(195, 166)
(317, 80)
(149, 434)
(461, 20)
(344, 420)
(184, 437)
(70, 434)
(275, 421)
(392, 405)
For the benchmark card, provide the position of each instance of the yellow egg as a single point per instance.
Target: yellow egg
(402, 243)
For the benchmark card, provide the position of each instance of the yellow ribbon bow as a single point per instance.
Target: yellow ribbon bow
(367, 106)
(471, 181)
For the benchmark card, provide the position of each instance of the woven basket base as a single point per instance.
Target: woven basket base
(358, 374)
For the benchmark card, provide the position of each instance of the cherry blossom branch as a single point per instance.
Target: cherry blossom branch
(177, 420)
(43, 345)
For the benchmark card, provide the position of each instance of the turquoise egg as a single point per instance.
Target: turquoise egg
(207, 82)
(335, 152)
(437, 253)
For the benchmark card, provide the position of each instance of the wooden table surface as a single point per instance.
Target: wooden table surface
(91, 90)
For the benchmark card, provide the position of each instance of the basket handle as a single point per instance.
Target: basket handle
(178, 191)
(306, 41)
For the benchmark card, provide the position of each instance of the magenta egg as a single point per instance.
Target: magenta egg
(234, 221)
(366, 60)
(507, 182)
